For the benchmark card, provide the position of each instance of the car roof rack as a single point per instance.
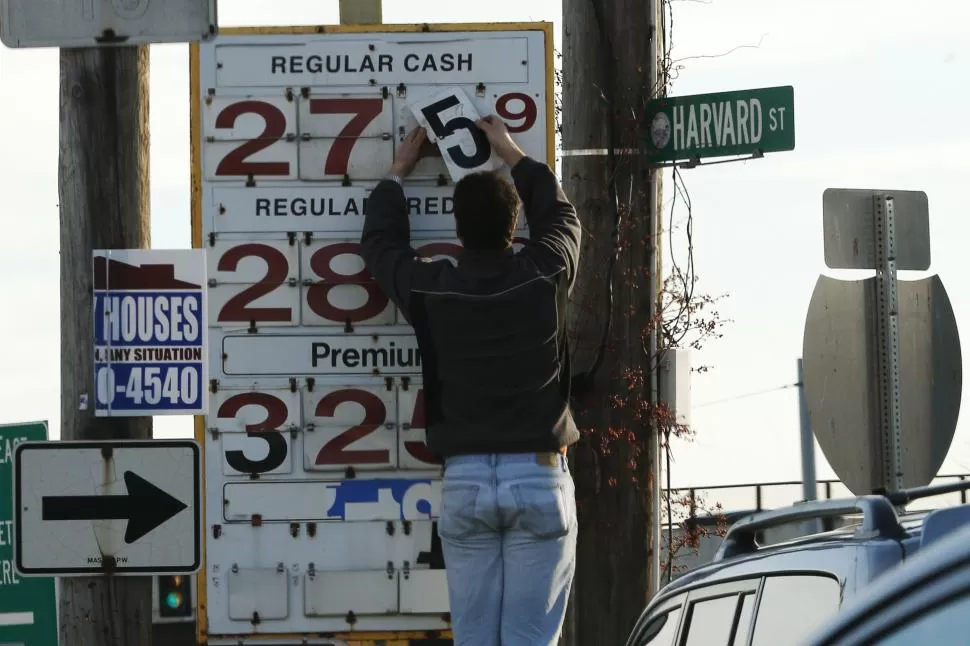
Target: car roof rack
(879, 518)
(906, 496)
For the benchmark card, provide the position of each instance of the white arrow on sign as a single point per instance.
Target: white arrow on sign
(125, 506)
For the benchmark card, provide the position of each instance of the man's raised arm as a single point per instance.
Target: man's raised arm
(385, 243)
(553, 223)
(554, 227)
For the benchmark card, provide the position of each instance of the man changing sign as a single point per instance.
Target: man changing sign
(150, 332)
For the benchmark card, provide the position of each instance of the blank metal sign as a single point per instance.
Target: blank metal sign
(849, 232)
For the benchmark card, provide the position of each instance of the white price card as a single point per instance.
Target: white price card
(448, 118)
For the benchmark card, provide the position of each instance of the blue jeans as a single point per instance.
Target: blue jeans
(508, 534)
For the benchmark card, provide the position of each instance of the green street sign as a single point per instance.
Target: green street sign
(722, 124)
(28, 607)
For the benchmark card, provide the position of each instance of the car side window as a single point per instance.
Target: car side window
(745, 614)
(941, 624)
(711, 621)
(660, 630)
(794, 606)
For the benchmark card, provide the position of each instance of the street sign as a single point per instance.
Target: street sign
(881, 356)
(93, 23)
(744, 122)
(28, 606)
(315, 433)
(849, 229)
(150, 336)
(125, 507)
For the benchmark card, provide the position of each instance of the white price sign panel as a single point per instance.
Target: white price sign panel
(315, 433)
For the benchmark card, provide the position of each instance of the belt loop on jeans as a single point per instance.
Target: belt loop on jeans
(547, 459)
(552, 458)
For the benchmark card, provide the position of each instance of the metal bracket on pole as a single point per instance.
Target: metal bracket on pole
(887, 324)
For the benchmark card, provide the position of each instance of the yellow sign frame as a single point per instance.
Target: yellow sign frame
(195, 135)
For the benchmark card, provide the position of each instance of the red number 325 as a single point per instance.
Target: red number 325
(360, 427)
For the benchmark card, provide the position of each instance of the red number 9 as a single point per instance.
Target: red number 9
(527, 114)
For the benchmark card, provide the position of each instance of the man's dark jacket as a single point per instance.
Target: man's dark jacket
(491, 331)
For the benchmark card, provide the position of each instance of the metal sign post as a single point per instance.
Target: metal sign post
(887, 303)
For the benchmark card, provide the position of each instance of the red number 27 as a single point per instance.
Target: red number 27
(237, 163)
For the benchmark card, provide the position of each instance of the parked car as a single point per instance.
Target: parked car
(777, 595)
(925, 601)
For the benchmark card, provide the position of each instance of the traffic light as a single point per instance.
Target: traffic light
(174, 596)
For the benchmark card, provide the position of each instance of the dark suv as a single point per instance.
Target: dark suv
(777, 595)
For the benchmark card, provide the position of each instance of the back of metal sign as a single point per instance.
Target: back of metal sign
(848, 231)
(841, 379)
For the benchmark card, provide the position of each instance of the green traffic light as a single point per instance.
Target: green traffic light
(174, 597)
(173, 600)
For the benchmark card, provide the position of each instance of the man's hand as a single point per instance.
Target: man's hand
(409, 153)
(500, 140)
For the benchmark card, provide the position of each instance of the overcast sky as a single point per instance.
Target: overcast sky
(881, 100)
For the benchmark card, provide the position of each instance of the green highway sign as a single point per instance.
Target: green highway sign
(722, 124)
(28, 607)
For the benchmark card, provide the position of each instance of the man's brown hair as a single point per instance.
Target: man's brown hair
(486, 208)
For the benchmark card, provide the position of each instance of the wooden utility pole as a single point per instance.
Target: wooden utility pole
(609, 73)
(361, 12)
(104, 204)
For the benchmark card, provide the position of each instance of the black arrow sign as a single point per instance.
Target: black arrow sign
(145, 507)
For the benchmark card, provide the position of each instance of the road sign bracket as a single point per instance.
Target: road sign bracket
(696, 161)
(632, 152)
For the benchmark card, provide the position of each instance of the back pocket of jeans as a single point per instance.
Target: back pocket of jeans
(542, 509)
(458, 517)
